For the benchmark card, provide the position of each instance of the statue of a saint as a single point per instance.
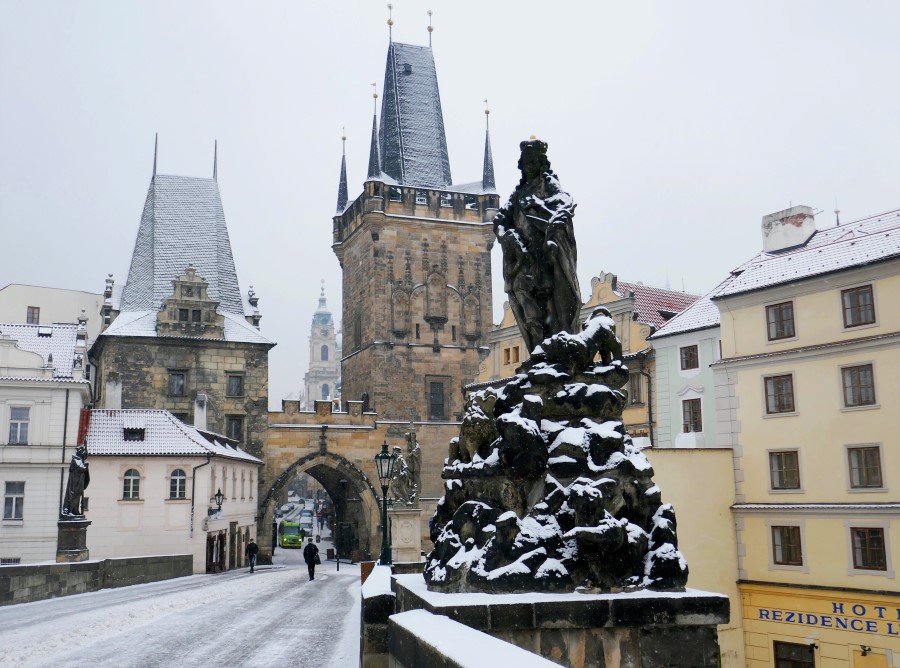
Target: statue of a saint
(401, 485)
(536, 234)
(79, 479)
(414, 464)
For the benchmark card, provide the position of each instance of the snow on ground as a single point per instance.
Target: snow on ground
(275, 616)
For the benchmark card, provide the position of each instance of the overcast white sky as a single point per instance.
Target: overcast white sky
(676, 126)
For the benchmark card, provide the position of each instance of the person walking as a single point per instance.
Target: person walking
(311, 557)
(252, 550)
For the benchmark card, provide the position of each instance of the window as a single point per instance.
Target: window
(13, 500)
(446, 199)
(865, 467)
(196, 315)
(690, 358)
(515, 354)
(635, 389)
(453, 332)
(235, 386)
(859, 307)
(131, 485)
(784, 469)
(780, 320)
(859, 385)
(234, 427)
(418, 332)
(436, 406)
(691, 419)
(786, 546)
(18, 425)
(868, 549)
(357, 331)
(182, 315)
(134, 433)
(792, 655)
(177, 484)
(33, 315)
(780, 394)
(421, 197)
(176, 383)
(324, 353)
(325, 391)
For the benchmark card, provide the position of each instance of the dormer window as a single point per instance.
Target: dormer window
(134, 434)
(446, 199)
(45, 331)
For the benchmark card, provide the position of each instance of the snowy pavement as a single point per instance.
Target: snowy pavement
(274, 617)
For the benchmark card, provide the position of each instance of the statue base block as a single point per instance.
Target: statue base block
(406, 534)
(71, 541)
(647, 629)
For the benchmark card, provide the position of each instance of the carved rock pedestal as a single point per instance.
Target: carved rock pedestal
(71, 541)
(642, 629)
(406, 534)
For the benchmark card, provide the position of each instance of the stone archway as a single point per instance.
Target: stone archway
(354, 497)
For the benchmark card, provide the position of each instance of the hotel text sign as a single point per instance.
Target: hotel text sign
(875, 619)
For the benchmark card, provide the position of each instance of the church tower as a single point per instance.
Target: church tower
(323, 380)
(415, 252)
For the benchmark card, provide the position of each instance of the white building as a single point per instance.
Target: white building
(42, 391)
(154, 483)
(38, 305)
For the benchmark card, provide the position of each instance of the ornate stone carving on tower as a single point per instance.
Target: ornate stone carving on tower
(323, 379)
(415, 252)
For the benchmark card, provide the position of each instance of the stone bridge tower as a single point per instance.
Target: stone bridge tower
(415, 252)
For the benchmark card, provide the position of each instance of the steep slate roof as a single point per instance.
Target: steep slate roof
(164, 434)
(654, 306)
(60, 343)
(412, 138)
(183, 223)
(143, 323)
(853, 244)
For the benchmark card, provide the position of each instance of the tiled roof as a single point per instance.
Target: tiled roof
(143, 323)
(32, 379)
(702, 314)
(412, 138)
(164, 434)
(853, 244)
(183, 223)
(655, 306)
(60, 343)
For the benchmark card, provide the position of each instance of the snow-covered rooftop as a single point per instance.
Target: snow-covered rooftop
(143, 323)
(163, 434)
(702, 314)
(45, 340)
(655, 306)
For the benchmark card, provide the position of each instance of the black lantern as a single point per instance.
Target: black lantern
(384, 464)
(219, 497)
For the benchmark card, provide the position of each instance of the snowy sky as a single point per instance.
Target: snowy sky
(676, 126)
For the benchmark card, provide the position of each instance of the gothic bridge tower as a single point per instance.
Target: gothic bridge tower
(415, 252)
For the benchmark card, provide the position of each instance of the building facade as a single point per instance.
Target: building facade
(156, 484)
(42, 391)
(181, 328)
(38, 305)
(322, 381)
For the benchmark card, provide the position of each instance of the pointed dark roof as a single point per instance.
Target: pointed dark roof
(487, 179)
(413, 142)
(374, 153)
(183, 223)
(342, 186)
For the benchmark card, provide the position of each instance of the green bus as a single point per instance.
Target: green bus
(289, 535)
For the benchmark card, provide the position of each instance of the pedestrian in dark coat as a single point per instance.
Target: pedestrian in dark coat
(252, 550)
(311, 557)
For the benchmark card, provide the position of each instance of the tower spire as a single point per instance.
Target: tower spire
(342, 184)
(155, 146)
(487, 178)
(390, 23)
(374, 152)
(430, 28)
(216, 160)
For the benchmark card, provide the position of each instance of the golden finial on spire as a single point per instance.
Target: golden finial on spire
(532, 138)
(430, 27)
(375, 97)
(390, 22)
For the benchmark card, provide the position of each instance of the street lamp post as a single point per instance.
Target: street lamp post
(384, 464)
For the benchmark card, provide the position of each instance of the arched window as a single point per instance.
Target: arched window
(131, 488)
(324, 353)
(177, 484)
(325, 391)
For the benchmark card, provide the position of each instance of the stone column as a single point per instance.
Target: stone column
(71, 540)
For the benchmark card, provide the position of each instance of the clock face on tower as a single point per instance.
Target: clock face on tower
(324, 332)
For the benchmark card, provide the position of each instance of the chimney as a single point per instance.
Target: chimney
(200, 412)
(788, 228)
(112, 398)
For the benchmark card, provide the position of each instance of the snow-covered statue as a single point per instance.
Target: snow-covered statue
(535, 231)
(544, 489)
(79, 479)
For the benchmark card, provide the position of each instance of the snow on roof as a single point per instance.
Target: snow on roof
(702, 314)
(183, 223)
(655, 306)
(143, 323)
(163, 434)
(853, 244)
(45, 340)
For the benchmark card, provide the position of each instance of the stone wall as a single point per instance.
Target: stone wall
(23, 584)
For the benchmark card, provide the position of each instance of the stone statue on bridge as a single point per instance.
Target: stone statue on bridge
(79, 479)
(406, 481)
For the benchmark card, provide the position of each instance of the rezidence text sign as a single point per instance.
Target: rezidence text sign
(875, 619)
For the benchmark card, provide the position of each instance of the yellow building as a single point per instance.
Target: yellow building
(638, 310)
(806, 395)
